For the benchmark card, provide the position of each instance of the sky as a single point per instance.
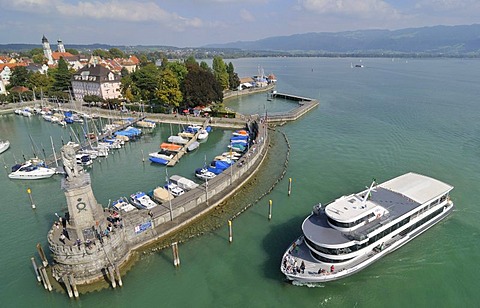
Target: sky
(195, 23)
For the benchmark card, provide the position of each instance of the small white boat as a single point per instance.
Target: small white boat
(204, 174)
(193, 146)
(183, 183)
(232, 155)
(161, 154)
(47, 117)
(146, 124)
(122, 204)
(33, 169)
(186, 135)
(26, 113)
(84, 159)
(177, 140)
(4, 145)
(174, 189)
(202, 135)
(142, 201)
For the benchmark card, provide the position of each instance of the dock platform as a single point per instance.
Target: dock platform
(180, 153)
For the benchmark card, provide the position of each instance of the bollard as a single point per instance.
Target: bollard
(47, 281)
(289, 186)
(143, 156)
(176, 257)
(44, 281)
(269, 209)
(119, 277)
(29, 192)
(67, 285)
(35, 268)
(112, 276)
(230, 233)
(74, 285)
(42, 254)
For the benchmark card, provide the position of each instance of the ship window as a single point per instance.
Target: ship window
(435, 202)
(327, 260)
(443, 198)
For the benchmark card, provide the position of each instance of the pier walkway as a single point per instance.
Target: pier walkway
(184, 149)
(305, 105)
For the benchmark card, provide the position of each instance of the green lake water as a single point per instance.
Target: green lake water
(380, 121)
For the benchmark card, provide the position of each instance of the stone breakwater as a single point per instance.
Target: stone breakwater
(92, 243)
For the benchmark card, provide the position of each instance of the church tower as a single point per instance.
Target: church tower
(47, 51)
(60, 47)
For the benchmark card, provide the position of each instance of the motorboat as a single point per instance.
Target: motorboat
(146, 124)
(240, 132)
(161, 195)
(122, 204)
(193, 146)
(204, 174)
(4, 145)
(177, 140)
(356, 230)
(174, 189)
(170, 147)
(202, 134)
(142, 201)
(188, 135)
(33, 169)
(183, 183)
(232, 155)
(160, 157)
(84, 159)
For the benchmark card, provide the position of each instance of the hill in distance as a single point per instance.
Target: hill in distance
(446, 40)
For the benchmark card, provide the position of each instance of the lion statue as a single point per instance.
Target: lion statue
(69, 162)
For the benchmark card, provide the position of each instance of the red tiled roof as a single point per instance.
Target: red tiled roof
(57, 55)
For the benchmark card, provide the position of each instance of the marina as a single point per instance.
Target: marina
(381, 121)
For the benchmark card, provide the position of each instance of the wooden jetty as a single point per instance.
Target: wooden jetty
(180, 153)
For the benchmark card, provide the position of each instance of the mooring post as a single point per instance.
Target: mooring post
(176, 257)
(230, 233)
(269, 209)
(119, 277)
(66, 282)
(44, 281)
(42, 254)
(35, 268)
(29, 192)
(143, 156)
(289, 186)
(47, 281)
(74, 285)
(112, 276)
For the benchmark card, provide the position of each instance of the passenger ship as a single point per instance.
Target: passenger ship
(354, 231)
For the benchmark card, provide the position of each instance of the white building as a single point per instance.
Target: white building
(47, 51)
(96, 80)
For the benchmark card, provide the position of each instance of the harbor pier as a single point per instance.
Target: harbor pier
(90, 242)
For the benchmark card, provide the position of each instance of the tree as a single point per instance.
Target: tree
(146, 79)
(40, 82)
(116, 53)
(201, 88)
(179, 69)
(205, 66)
(124, 72)
(38, 58)
(19, 76)
(72, 51)
(168, 89)
(62, 77)
(102, 54)
(233, 80)
(220, 71)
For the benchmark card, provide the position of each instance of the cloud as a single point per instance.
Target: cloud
(118, 10)
(246, 15)
(364, 8)
(445, 5)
